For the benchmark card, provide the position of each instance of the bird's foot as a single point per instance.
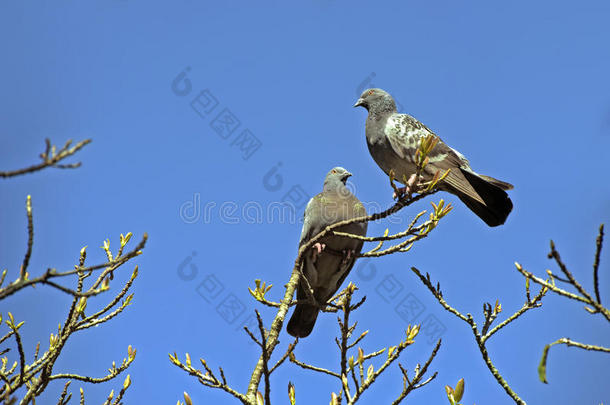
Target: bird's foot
(411, 186)
(399, 193)
(347, 255)
(317, 249)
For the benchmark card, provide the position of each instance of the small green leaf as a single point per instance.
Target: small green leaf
(449, 392)
(542, 365)
(187, 399)
(127, 382)
(459, 390)
(291, 394)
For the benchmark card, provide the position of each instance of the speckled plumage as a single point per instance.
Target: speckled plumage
(393, 139)
(325, 272)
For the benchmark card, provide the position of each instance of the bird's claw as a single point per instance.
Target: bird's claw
(317, 249)
(399, 193)
(347, 255)
(411, 186)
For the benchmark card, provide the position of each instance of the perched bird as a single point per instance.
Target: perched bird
(329, 261)
(393, 140)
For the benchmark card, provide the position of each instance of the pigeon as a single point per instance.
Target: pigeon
(393, 140)
(329, 261)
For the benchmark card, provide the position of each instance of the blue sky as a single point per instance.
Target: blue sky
(520, 88)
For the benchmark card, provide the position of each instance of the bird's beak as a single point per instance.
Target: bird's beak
(346, 176)
(359, 103)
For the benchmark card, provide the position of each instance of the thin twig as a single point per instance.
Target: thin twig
(28, 253)
(285, 355)
(21, 356)
(598, 249)
(413, 384)
(314, 368)
(64, 392)
(477, 335)
(51, 159)
(527, 306)
(52, 273)
(569, 342)
(265, 355)
(555, 255)
(438, 295)
(552, 287)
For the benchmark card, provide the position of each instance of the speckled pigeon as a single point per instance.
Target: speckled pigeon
(330, 260)
(393, 139)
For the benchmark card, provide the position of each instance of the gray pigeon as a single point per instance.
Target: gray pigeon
(393, 139)
(330, 260)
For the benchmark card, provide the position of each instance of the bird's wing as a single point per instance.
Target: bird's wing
(309, 219)
(354, 209)
(405, 133)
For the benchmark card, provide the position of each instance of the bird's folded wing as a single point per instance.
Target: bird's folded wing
(458, 182)
(405, 134)
(309, 219)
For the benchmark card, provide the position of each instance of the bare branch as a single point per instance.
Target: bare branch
(50, 158)
(555, 255)
(113, 372)
(313, 368)
(583, 295)
(419, 374)
(480, 340)
(37, 375)
(567, 342)
(285, 356)
(598, 250)
(535, 303)
(265, 355)
(28, 253)
(52, 273)
(437, 294)
(208, 379)
(62, 398)
(348, 366)
(274, 330)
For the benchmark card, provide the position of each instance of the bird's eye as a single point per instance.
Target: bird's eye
(333, 171)
(371, 92)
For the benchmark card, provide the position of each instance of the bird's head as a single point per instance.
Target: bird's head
(337, 174)
(376, 100)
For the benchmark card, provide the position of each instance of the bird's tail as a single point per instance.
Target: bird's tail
(302, 320)
(502, 184)
(485, 196)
